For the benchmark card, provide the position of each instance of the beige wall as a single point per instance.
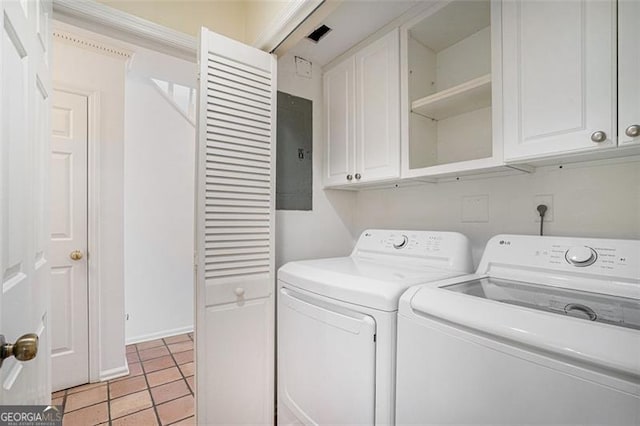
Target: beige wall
(242, 20)
(226, 17)
(259, 16)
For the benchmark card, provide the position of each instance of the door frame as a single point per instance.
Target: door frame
(93, 222)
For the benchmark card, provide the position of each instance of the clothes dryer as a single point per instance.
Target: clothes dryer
(337, 324)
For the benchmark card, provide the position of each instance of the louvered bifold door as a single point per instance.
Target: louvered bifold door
(235, 233)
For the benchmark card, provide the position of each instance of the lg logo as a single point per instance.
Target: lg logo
(505, 243)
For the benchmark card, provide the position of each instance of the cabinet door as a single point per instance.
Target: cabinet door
(378, 110)
(628, 72)
(339, 94)
(558, 77)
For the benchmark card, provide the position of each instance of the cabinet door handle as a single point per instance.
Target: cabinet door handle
(349, 178)
(599, 136)
(633, 131)
(358, 176)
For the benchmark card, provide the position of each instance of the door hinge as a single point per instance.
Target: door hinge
(374, 337)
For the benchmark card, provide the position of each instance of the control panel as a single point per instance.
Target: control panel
(593, 256)
(449, 248)
(405, 242)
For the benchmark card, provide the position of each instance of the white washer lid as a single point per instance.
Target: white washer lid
(371, 283)
(601, 345)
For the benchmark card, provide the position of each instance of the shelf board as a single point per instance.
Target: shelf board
(469, 96)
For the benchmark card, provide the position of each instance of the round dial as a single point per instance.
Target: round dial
(581, 256)
(401, 241)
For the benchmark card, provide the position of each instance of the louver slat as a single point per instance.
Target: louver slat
(242, 148)
(216, 92)
(247, 90)
(232, 108)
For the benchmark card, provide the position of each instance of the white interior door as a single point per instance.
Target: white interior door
(24, 151)
(235, 277)
(69, 310)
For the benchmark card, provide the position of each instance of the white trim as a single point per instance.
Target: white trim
(114, 373)
(159, 335)
(94, 237)
(93, 222)
(132, 28)
(89, 44)
(289, 18)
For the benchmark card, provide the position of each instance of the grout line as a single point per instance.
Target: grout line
(182, 374)
(109, 401)
(179, 420)
(87, 406)
(152, 407)
(144, 374)
(173, 399)
(64, 401)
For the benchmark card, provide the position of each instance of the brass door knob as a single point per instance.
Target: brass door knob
(75, 255)
(24, 349)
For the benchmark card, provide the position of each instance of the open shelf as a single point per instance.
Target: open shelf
(468, 96)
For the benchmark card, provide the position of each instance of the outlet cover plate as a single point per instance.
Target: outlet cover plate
(475, 209)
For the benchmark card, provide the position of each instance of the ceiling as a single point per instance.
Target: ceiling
(351, 22)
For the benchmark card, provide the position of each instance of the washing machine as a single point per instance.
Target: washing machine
(337, 324)
(547, 331)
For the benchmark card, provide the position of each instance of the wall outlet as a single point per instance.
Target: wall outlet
(547, 200)
(475, 209)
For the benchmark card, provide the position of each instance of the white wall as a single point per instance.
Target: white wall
(158, 194)
(588, 200)
(324, 231)
(84, 69)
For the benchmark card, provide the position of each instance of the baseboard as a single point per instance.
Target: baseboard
(114, 373)
(158, 335)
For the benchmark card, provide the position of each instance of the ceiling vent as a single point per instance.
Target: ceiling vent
(319, 33)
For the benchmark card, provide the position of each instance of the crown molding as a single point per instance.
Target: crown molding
(112, 22)
(285, 23)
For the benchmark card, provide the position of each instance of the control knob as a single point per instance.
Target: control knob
(400, 242)
(581, 256)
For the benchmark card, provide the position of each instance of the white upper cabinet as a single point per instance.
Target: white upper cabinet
(559, 61)
(361, 110)
(377, 110)
(339, 119)
(628, 72)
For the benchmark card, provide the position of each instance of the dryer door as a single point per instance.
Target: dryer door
(326, 361)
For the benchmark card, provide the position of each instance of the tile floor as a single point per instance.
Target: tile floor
(158, 391)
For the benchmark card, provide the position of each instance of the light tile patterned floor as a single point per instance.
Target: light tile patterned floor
(158, 391)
